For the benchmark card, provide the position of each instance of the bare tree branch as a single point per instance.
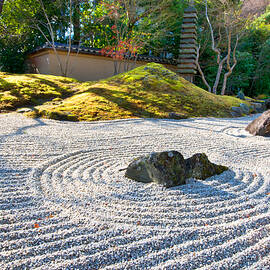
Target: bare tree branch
(230, 69)
(69, 38)
(200, 70)
(220, 67)
(214, 48)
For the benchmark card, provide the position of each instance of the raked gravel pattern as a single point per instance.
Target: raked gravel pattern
(64, 204)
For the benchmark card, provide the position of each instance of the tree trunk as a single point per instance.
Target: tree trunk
(230, 69)
(1, 5)
(200, 70)
(76, 22)
(220, 66)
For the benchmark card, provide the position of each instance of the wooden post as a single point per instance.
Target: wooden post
(188, 45)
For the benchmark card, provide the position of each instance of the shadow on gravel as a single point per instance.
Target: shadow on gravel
(18, 132)
(205, 189)
(21, 130)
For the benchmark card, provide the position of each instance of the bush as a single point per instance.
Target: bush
(12, 55)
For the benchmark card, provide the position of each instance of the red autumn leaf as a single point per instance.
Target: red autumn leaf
(36, 225)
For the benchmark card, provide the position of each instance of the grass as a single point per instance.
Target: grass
(149, 91)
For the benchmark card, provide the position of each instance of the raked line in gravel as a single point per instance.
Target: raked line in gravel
(64, 204)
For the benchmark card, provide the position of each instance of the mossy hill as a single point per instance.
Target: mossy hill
(17, 90)
(149, 91)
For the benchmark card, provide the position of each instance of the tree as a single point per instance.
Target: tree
(138, 26)
(224, 36)
(50, 20)
(1, 5)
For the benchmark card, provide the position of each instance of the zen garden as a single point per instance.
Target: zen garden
(135, 134)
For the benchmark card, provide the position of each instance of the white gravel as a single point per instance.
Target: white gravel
(65, 205)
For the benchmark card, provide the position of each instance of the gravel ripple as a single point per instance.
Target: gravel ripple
(65, 203)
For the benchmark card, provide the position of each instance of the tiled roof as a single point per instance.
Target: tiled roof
(96, 51)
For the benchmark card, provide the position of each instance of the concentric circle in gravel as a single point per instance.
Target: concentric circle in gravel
(76, 210)
(94, 180)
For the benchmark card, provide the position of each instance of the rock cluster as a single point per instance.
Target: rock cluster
(256, 106)
(261, 125)
(170, 169)
(241, 110)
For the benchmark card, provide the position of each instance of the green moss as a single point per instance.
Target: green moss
(31, 89)
(149, 91)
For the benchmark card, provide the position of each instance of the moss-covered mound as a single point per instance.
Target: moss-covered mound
(31, 89)
(149, 91)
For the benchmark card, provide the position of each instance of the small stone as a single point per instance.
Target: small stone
(173, 115)
(234, 114)
(261, 125)
(259, 107)
(240, 95)
(24, 110)
(267, 104)
(236, 111)
(244, 107)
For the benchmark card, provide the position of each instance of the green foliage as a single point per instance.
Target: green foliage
(12, 54)
(23, 27)
(257, 44)
(241, 77)
(157, 28)
(154, 24)
(251, 74)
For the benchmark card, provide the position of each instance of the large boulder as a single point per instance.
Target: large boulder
(261, 125)
(170, 169)
(164, 168)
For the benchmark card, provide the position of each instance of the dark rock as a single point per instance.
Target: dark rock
(170, 169)
(244, 108)
(240, 95)
(236, 111)
(165, 168)
(259, 107)
(261, 125)
(199, 166)
(173, 115)
(267, 104)
(234, 114)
